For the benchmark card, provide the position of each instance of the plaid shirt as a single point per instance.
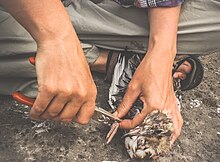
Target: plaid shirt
(149, 3)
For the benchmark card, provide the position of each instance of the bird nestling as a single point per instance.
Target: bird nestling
(152, 137)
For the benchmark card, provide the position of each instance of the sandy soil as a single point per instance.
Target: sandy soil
(24, 140)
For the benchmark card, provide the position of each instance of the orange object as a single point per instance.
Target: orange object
(18, 96)
(22, 98)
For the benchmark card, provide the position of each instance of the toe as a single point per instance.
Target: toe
(179, 75)
(184, 69)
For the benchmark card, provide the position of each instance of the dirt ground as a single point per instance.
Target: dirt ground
(24, 140)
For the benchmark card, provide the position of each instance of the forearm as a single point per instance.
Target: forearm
(156, 89)
(163, 30)
(45, 20)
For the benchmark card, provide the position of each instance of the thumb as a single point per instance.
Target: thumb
(129, 98)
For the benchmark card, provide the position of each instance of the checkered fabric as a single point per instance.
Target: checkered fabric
(149, 3)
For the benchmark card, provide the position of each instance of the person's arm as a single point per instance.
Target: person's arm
(156, 88)
(66, 88)
(44, 20)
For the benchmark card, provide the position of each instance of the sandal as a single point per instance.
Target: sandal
(194, 78)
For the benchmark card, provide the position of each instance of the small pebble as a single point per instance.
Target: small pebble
(26, 107)
(62, 149)
(195, 103)
(218, 110)
(199, 133)
(218, 134)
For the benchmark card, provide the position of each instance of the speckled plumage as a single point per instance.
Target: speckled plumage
(152, 137)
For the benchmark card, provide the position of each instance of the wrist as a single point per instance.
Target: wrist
(55, 35)
(160, 59)
(158, 52)
(64, 39)
(163, 47)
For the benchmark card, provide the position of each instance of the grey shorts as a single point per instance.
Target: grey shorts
(107, 25)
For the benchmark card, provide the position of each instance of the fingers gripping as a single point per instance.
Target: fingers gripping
(85, 113)
(129, 98)
(129, 124)
(69, 112)
(55, 107)
(40, 105)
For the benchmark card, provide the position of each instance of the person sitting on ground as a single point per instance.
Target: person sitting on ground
(66, 90)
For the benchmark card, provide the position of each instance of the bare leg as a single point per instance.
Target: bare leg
(100, 64)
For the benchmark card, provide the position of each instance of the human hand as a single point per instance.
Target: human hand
(152, 82)
(66, 88)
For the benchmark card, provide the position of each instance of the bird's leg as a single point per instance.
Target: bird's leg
(112, 132)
